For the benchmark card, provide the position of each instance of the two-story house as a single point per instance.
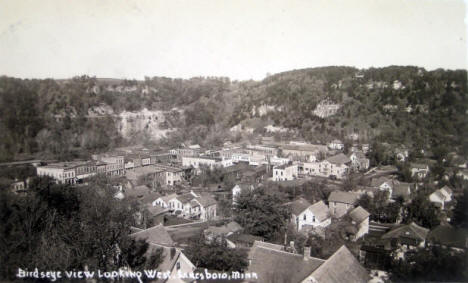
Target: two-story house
(441, 196)
(359, 161)
(336, 166)
(339, 202)
(286, 172)
(306, 216)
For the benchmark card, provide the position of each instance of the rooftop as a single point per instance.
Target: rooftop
(359, 214)
(339, 159)
(408, 231)
(299, 205)
(320, 210)
(343, 197)
(284, 166)
(342, 266)
(274, 265)
(155, 235)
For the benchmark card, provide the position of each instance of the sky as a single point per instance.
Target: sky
(240, 39)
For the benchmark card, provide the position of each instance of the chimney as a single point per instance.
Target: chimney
(306, 253)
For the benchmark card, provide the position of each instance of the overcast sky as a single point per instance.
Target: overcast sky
(241, 39)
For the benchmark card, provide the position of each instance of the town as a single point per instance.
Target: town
(233, 141)
(332, 200)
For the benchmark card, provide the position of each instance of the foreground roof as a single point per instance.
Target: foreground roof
(273, 265)
(342, 266)
(156, 235)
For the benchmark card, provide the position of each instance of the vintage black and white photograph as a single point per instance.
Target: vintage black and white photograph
(269, 141)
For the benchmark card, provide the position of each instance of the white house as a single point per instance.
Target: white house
(182, 204)
(336, 144)
(337, 166)
(286, 172)
(320, 214)
(419, 170)
(190, 205)
(164, 200)
(306, 216)
(359, 161)
(360, 218)
(311, 168)
(441, 196)
(383, 184)
(145, 160)
(238, 188)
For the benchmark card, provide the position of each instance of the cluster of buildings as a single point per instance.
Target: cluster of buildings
(189, 205)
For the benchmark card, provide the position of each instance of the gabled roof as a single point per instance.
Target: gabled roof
(359, 214)
(185, 198)
(156, 210)
(447, 189)
(439, 194)
(275, 265)
(149, 197)
(377, 182)
(342, 266)
(343, 197)
(206, 200)
(155, 235)
(320, 210)
(298, 206)
(407, 231)
(167, 198)
(339, 159)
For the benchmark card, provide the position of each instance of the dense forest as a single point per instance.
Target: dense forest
(408, 105)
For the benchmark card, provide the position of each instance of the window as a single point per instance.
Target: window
(313, 218)
(305, 217)
(178, 265)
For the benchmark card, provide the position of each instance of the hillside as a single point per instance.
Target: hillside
(70, 118)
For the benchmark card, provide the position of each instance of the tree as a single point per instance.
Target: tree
(62, 227)
(431, 264)
(380, 209)
(261, 214)
(460, 213)
(215, 254)
(421, 211)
